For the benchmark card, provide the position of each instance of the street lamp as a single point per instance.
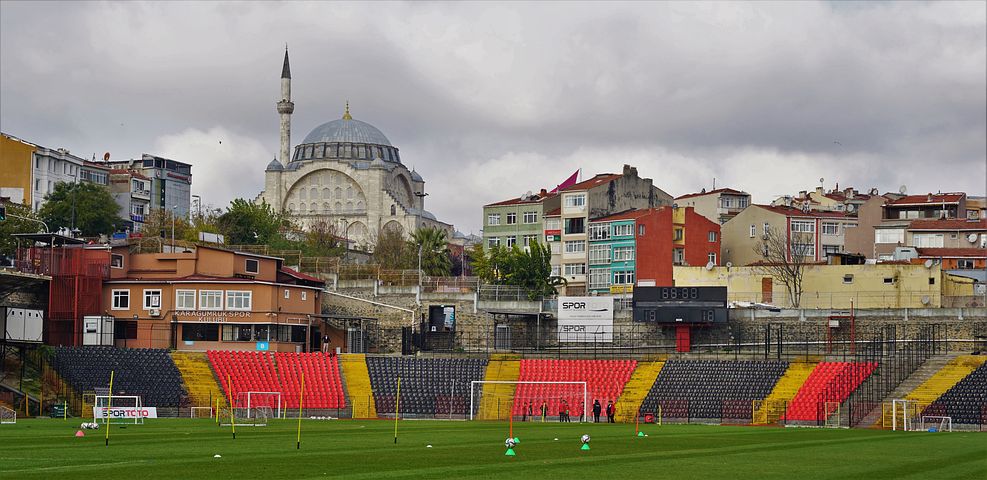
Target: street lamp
(174, 209)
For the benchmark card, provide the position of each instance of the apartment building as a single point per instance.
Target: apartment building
(518, 220)
(817, 234)
(719, 205)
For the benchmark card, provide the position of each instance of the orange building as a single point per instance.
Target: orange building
(210, 298)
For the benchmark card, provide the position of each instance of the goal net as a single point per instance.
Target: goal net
(250, 401)
(935, 423)
(902, 415)
(118, 409)
(245, 417)
(831, 412)
(526, 400)
(201, 412)
(7, 415)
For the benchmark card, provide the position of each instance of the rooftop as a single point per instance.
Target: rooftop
(598, 180)
(928, 199)
(950, 224)
(625, 215)
(795, 212)
(728, 191)
(952, 252)
(534, 198)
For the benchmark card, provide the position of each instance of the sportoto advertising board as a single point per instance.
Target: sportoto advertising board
(126, 412)
(585, 319)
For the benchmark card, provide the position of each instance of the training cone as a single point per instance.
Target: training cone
(517, 440)
(509, 452)
(640, 434)
(585, 446)
(80, 433)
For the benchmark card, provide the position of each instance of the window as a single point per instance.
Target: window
(577, 246)
(964, 263)
(599, 231)
(711, 236)
(124, 330)
(799, 226)
(623, 277)
(121, 299)
(767, 228)
(304, 295)
(287, 294)
(889, 235)
(511, 240)
(848, 278)
(677, 234)
(831, 250)
(553, 223)
(599, 254)
(711, 258)
(527, 240)
(116, 261)
(575, 226)
(252, 266)
(238, 299)
(753, 231)
(493, 242)
(640, 230)
(889, 280)
(577, 200)
(511, 218)
(493, 219)
(575, 269)
(556, 271)
(623, 254)
(184, 299)
(830, 228)
(623, 230)
(927, 240)
(207, 332)
(807, 250)
(556, 248)
(152, 299)
(678, 256)
(210, 299)
(932, 280)
(599, 278)
(530, 217)
(238, 333)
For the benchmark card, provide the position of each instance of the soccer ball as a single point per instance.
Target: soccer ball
(585, 439)
(509, 443)
(89, 426)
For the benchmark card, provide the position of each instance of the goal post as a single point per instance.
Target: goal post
(831, 414)
(118, 409)
(251, 401)
(201, 412)
(937, 422)
(904, 413)
(8, 416)
(488, 394)
(245, 417)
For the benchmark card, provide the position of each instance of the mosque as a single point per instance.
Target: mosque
(347, 173)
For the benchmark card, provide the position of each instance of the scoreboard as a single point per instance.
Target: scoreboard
(680, 304)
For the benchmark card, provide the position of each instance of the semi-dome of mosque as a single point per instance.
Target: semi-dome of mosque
(346, 139)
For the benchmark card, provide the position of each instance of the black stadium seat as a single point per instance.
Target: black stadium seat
(148, 373)
(429, 386)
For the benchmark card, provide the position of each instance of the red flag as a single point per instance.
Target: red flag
(567, 182)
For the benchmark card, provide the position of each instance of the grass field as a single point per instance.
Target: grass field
(168, 448)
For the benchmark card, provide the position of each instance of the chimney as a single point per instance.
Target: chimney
(543, 193)
(819, 190)
(803, 193)
(929, 199)
(630, 171)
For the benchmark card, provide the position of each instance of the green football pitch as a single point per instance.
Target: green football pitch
(186, 449)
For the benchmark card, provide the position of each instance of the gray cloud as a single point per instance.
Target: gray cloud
(488, 100)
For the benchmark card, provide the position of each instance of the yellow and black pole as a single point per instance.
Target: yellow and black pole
(397, 409)
(106, 410)
(229, 393)
(301, 398)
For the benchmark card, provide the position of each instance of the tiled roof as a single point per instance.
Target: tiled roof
(299, 275)
(948, 224)
(936, 198)
(952, 252)
(593, 182)
(124, 171)
(553, 213)
(728, 191)
(536, 198)
(795, 212)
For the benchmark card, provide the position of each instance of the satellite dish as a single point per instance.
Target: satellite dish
(928, 263)
(926, 299)
(106, 157)
(972, 238)
(902, 189)
(709, 265)
(729, 264)
(850, 207)
(821, 179)
(874, 191)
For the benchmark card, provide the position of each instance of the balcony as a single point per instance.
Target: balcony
(142, 194)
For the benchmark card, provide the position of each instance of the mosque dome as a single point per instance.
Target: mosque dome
(346, 139)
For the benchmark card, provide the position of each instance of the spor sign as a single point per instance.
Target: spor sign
(125, 412)
(585, 319)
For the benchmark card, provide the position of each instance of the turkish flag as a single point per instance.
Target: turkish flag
(567, 182)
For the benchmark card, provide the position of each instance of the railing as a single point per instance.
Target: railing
(814, 299)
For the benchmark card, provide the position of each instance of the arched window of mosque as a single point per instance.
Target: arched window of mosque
(397, 156)
(394, 210)
(326, 193)
(322, 151)
(308, 151)
(349, 206)
(339, 206)
(349, 192)
(347, 151)
(303, 194)
(338, 193)
(313, 193)
(301, 207)
(325, 207)
(291, 207)
(359, 206)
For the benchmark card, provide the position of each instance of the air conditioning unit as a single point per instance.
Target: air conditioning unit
(155, 312)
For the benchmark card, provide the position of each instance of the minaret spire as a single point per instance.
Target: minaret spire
(285, 70)
(285, 109)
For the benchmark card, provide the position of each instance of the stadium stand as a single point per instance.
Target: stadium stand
(605, 380)
(200, 383)
(496, 398)
(361, 396)
(966, 401)
(636, 389)
(429, 386)
(771, 409)
(281, 372)
(829, 382)
(149, 373)
(952, 373)
(712, 389)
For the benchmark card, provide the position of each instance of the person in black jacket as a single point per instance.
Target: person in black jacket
(611, 411)
(596, 411)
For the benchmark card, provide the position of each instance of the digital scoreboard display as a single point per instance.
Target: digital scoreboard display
(680, 304)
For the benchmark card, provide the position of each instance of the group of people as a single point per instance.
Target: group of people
(564, 417)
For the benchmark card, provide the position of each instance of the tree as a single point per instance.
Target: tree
(322, 240)
(12, 225)
(531, 269)
(85, 206)
(433, 247)
(392, 251)
(785, 259)
(248, 223)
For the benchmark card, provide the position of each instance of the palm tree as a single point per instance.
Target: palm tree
(434, 249)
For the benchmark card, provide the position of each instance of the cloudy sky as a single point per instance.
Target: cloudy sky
(489, 100)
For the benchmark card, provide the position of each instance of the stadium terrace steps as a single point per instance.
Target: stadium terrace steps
(357, 383)
(773, 406)
(199, 380)
(605, 380)
(881, 416)
(829, 382)
(965, 402)
(636, 389)
(945, 378)
(430, 387)
(496, 397)
(148, 373)
(240, 372)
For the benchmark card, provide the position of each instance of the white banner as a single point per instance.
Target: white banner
(585, 319)
(126, 412)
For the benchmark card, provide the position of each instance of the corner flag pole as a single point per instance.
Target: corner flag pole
(301, 398)
(397, 403)
(106, 411)
(229, 394)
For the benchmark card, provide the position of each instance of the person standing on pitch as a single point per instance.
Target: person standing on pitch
(544, 411)
(524, 413)
(531, 411)
(567, 417)
(597, 408)
(561, 410)
(611, 411)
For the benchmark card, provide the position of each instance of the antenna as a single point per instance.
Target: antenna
(709, 265)
(821, 181)
(902, 189)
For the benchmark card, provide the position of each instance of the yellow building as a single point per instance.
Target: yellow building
(16, 170)
(827, 286)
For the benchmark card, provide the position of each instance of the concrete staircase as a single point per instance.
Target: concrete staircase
(773, 406)
(199, 380)
(879, 418)
(497, 399)
(356, 381)
(637, 389)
